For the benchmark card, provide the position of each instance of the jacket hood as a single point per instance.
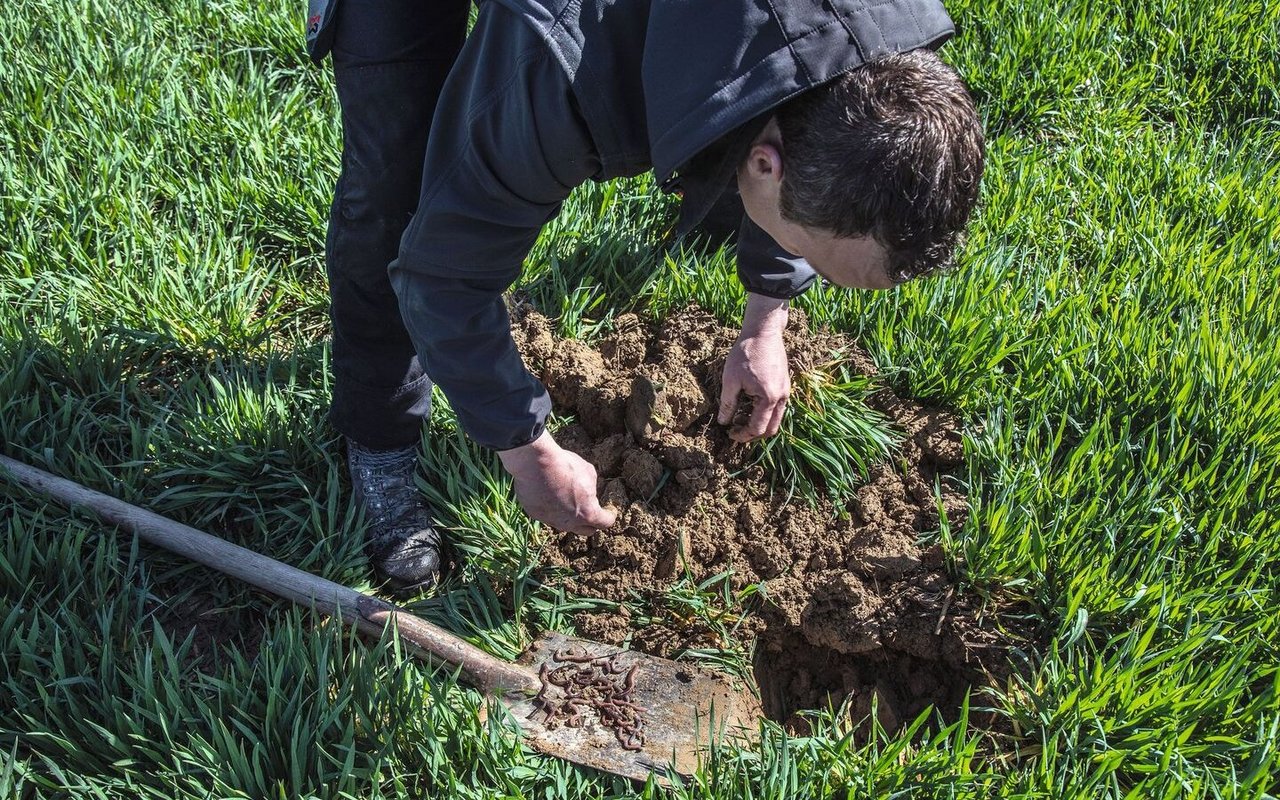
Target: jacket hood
(660, 80)
(759, 55)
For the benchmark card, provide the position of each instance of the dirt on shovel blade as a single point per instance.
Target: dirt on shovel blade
(626, 712)
(853, 606)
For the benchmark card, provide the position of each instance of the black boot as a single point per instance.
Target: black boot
(402, 540)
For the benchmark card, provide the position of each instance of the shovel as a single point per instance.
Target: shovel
(590, 703)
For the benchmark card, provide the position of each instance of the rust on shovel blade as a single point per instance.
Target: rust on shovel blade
(684, 709)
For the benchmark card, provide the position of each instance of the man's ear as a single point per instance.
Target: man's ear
(764, 161)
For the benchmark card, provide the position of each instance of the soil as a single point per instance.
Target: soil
(211, 626)
(853, 605)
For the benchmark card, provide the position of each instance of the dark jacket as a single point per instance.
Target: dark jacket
(659, 80)
(679, 86)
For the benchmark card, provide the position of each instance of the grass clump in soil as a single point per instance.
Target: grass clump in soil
(832, 436)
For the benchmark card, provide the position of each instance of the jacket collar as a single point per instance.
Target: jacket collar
(705, 177)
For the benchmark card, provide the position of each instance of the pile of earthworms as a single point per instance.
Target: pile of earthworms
(600, 683)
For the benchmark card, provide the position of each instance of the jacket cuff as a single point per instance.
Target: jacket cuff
(765, 268)
(537, 432)
(320, 28)
(510, 424)
(517, 437)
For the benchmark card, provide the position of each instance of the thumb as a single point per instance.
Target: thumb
(729, 399)
(598, 516)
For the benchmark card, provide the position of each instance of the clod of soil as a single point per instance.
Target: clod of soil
(853, 606)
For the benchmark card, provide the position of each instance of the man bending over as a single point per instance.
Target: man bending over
(856, 151)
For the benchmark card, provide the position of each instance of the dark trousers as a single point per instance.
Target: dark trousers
(390, 59)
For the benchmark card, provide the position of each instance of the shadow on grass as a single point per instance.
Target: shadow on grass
(238, 446)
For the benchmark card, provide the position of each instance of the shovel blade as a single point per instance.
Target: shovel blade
(687, 709)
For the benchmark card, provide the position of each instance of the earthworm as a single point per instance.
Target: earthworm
(586, 681)
(575, 706)
(631, 738)
(540, 702)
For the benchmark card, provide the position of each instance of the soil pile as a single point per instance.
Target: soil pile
(852, 605)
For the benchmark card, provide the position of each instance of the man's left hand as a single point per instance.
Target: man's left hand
(757, 367)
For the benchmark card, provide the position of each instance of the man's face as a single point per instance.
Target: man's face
(857, 263)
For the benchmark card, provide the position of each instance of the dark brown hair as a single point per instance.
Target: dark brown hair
(893, 149)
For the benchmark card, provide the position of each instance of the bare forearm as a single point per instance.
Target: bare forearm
(764, 315)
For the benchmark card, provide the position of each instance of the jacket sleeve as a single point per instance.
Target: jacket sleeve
(497, 169)
(765, 268)
(462, 334)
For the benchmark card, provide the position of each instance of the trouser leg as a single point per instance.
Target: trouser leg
(507, 147)
(390, 60)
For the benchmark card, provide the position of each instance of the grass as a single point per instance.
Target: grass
(1109, 338)
(831, 438)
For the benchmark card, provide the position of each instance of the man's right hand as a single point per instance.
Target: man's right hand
(556, 487)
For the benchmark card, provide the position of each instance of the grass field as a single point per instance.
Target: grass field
(1110, 340)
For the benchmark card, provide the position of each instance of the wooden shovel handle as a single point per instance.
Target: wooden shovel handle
(369, 614)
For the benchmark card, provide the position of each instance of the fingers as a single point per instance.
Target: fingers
(561, 493)
(729, 398)
(766, 418)
(593, 518)
(580, 511)
(587, 516)
(775, 424)
(587, 513)
(756, 366)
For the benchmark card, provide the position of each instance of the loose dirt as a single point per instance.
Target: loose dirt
(211, 626)
(852, 606)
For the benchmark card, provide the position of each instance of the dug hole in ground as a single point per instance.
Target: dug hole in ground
(852, 607)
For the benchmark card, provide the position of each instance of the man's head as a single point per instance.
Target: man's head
(871, 177)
